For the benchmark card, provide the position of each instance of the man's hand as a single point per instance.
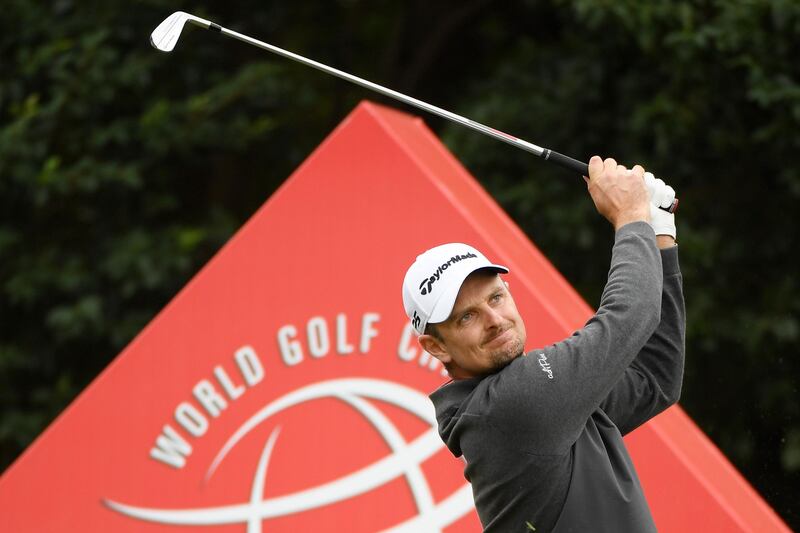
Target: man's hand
(619, 194)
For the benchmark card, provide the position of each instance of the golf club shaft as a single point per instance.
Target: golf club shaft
(545, 153)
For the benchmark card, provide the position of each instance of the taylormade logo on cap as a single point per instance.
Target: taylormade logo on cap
(431, 284)
(425, 286)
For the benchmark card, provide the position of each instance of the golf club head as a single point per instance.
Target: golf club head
(166, 35)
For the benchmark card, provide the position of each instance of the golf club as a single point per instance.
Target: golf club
(166, 35)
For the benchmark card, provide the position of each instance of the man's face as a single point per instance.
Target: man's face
(483, 333)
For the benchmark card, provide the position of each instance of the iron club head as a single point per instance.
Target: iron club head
(166, 35)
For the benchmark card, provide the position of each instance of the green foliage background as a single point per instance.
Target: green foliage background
(123, 170)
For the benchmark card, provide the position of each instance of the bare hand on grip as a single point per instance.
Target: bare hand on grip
(619, 194)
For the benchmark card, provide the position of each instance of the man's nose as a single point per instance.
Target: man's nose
(493, 318)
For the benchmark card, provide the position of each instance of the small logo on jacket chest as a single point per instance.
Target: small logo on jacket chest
(545, 365)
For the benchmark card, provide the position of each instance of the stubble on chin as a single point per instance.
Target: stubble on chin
(502, 358)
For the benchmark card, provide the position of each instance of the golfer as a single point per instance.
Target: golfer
(541, 431)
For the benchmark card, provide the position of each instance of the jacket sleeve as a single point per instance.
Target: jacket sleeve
(546, 396)
(653, 380)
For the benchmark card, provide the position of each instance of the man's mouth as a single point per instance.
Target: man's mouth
(500, 338)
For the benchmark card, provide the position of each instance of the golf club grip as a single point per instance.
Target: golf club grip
(583, 169)
(567, 162)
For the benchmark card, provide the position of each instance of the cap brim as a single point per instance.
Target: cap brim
(443, 308)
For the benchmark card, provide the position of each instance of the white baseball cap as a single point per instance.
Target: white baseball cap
(431, 284)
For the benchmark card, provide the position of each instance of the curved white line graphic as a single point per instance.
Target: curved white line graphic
(254, 524)
(404, 461)
(416, 480)
(445, 513)
(405, 397)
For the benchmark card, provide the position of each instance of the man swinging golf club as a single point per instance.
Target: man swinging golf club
(541, 432)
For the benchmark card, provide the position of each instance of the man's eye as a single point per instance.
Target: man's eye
(497, 297)
(465, 318)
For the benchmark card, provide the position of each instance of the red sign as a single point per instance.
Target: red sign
(282, 389)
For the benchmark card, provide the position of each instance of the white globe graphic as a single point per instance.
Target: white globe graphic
(404, 461)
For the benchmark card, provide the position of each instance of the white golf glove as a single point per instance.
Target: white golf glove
(661, 195)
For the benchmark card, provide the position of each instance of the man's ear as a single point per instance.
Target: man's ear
(435, 347)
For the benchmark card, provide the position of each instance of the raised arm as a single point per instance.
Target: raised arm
(562, 384)
(653, 381)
